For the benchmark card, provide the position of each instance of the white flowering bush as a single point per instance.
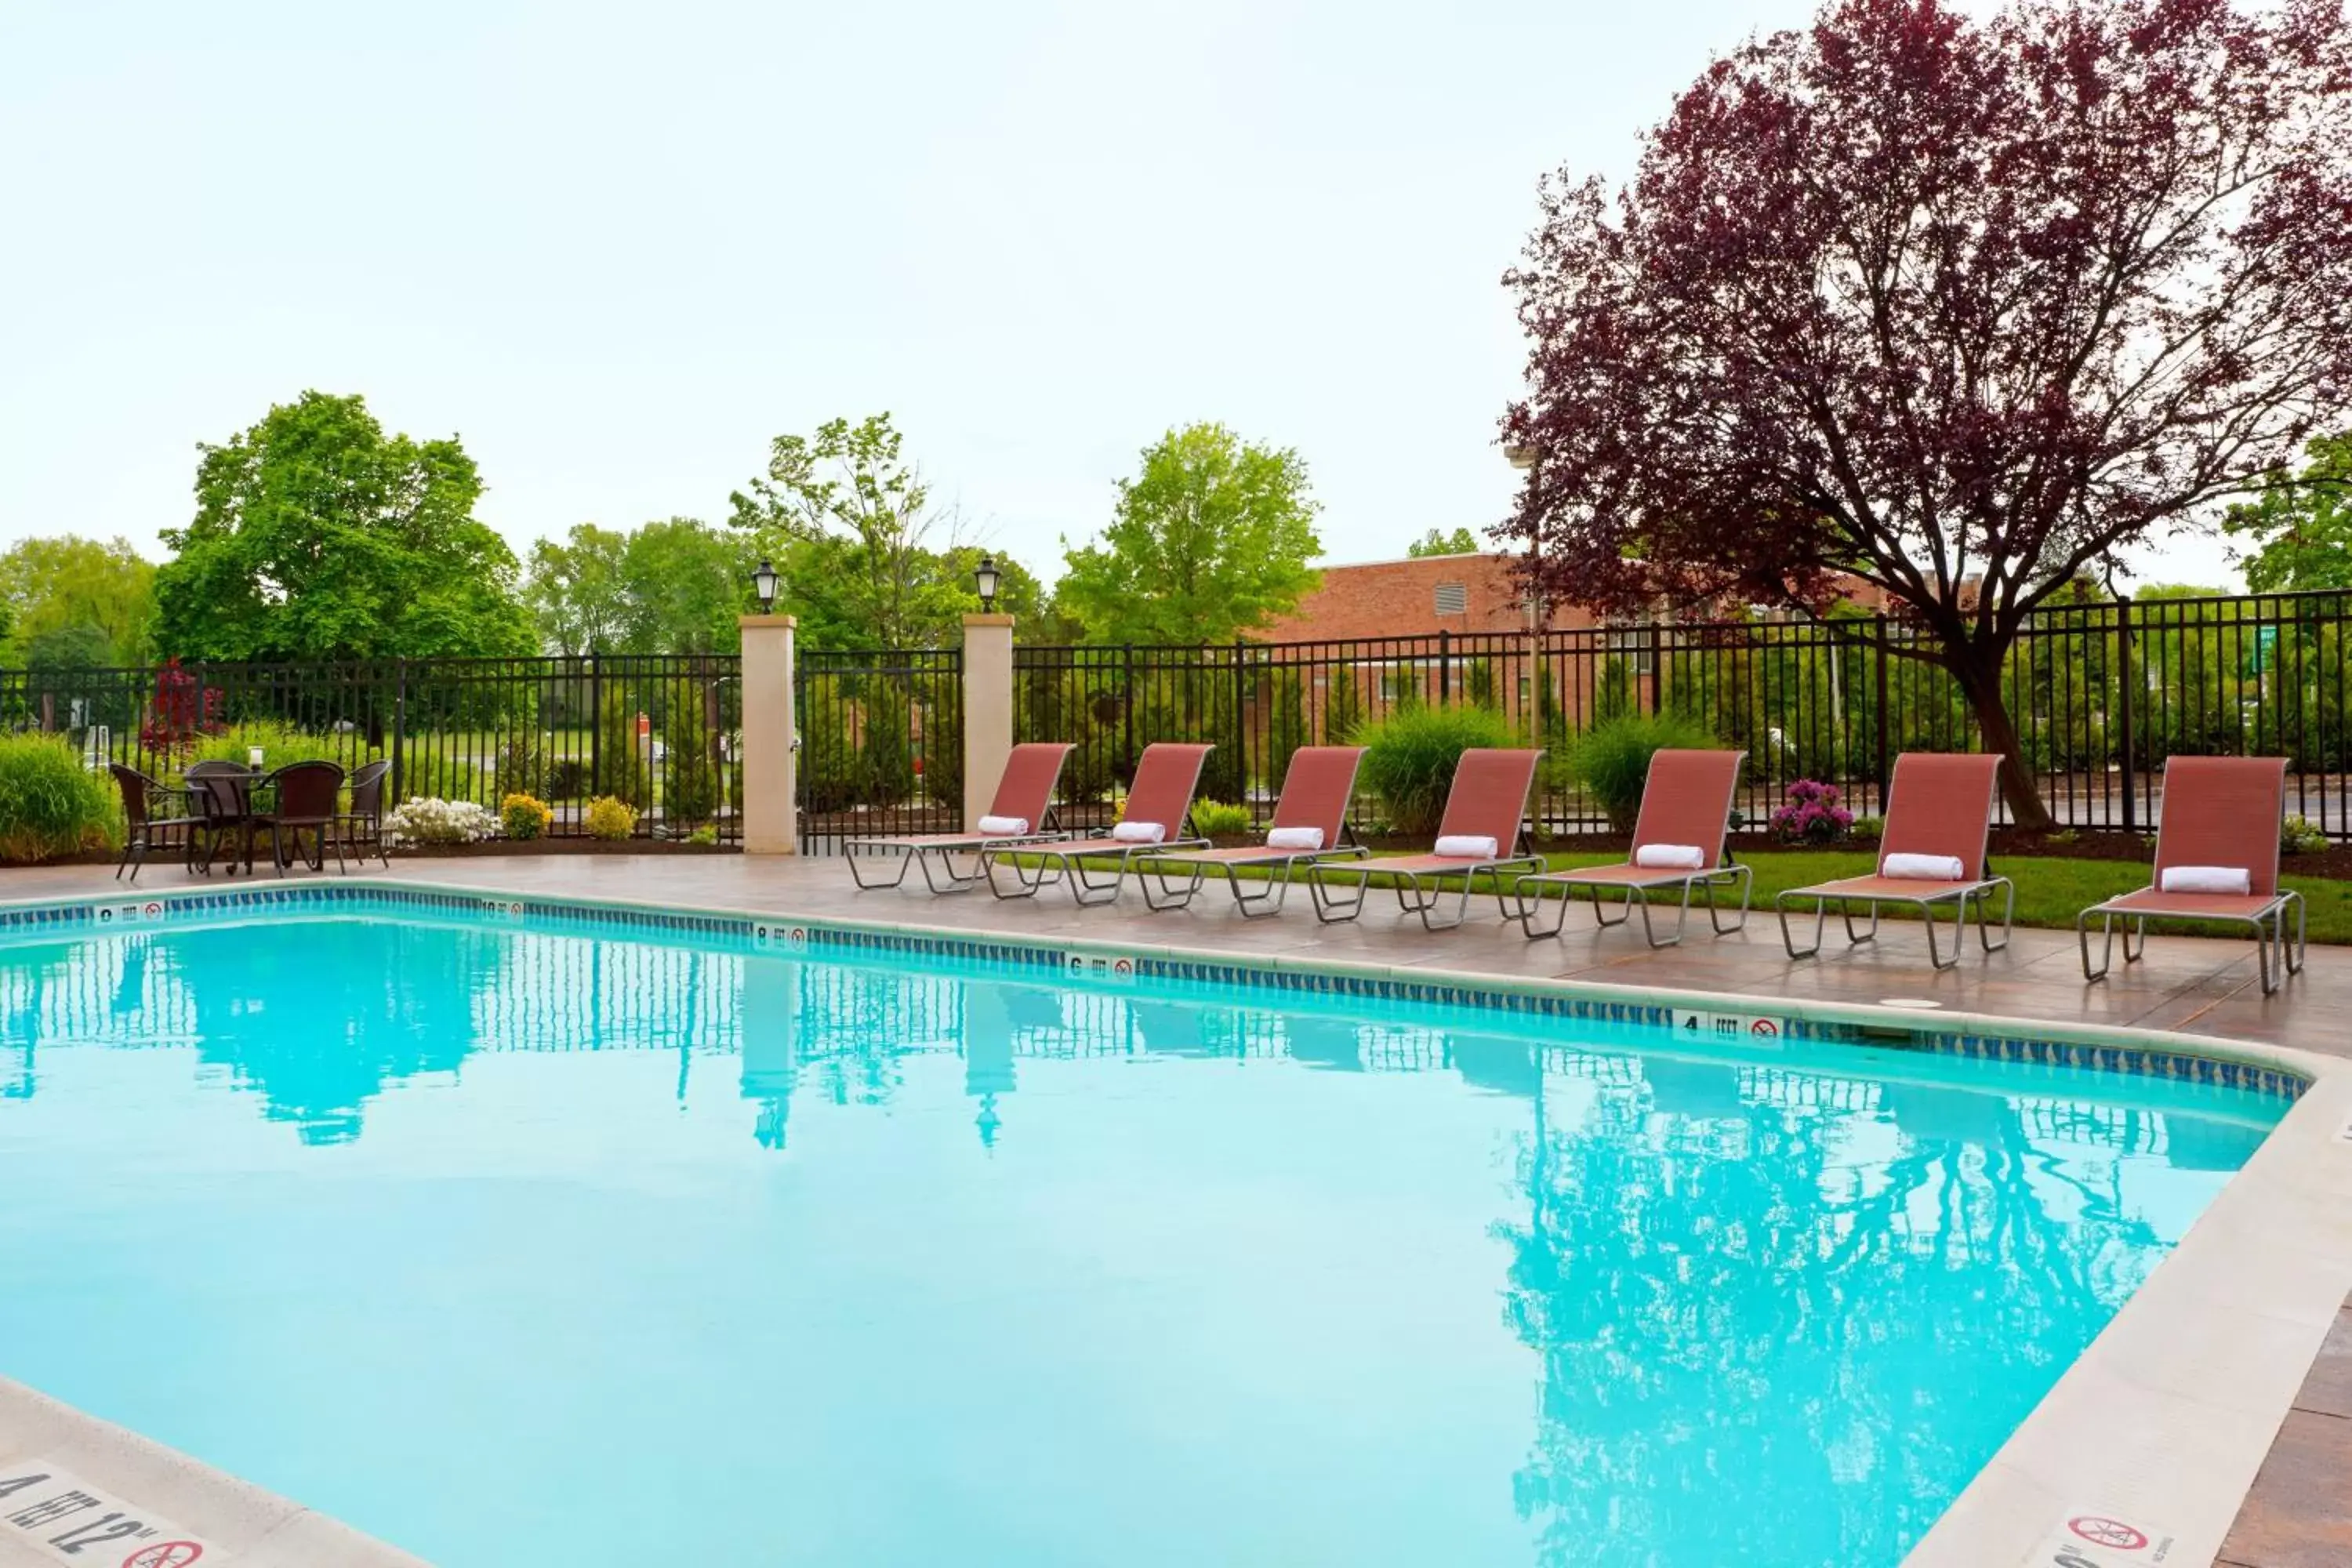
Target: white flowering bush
(426, 819)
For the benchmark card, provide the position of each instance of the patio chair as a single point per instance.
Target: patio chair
(310, 796)
(1158, 805)
(360, 825)
(1678, 844)
(143, 830)
(1310, 816)
(221, 793)
(1016, 813)
(1939, 818)
(1481, 832)
(2217, 855)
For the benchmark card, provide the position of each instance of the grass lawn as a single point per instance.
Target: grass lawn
(2050, 892)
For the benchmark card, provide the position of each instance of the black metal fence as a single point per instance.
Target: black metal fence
(659, 733)
(881, 743)
(2101, 694)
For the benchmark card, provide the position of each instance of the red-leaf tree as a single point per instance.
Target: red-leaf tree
(1958, 307)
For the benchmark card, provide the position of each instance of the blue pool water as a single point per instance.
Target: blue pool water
(523, 1248)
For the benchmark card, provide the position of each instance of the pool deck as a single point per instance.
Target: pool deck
(2216, 1409)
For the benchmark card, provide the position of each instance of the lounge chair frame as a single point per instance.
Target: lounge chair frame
(1417, 892)
(941, 873)
(1730, 873)
(1068, 861)
(1963, 897)
(1282, 869)
(2267, 923)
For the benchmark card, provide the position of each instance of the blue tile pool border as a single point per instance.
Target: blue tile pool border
(1563, 1000)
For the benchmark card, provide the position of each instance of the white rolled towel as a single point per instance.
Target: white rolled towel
(1670, 857)
(2206, 880)
(1294, 838)
(1465, 847)
(1004, 827)
(1923, 867)
(1139, 832)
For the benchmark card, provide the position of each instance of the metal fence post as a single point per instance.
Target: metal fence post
(399, 727)
(1886, 750)
(1444, 665)
(595, 725)
(1241, 729)
(2125, 742)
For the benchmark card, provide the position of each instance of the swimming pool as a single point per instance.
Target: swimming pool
(582, 1243)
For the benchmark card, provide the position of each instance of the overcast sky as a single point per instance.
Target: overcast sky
(617, 248)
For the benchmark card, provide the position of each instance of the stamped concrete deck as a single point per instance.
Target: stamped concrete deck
(2297, 1512)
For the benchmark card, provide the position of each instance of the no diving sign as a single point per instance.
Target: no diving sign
(2103, 1538)
(64, 1518)
(1757, 1030)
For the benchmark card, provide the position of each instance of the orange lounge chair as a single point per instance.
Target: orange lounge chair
(2221, 814)
(1939, 808)
(1024, 795)
(1685, 812)
(1162, 797)
(1487, 803)
(1316, 789)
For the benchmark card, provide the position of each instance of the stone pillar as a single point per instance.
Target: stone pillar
(987, 711)
(769, 785)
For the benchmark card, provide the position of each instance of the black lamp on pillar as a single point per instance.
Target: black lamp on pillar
(763, 583)
(986, 578)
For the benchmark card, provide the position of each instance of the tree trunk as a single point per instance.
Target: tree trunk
(1979, 674)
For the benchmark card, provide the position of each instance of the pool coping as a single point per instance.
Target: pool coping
(2158, 1426)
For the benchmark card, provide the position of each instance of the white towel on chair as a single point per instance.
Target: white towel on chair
(1294, 838)
(1004, 827)
(1670, 857)
(1923, 867)
(1464, 846)
(2206, 880)
(1139, 832)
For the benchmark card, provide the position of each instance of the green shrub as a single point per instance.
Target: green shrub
(624, 764)
(567, 778)
(1871, 829)
(521, 766)
(1611, 760)
(1215, 820)
(2301, 836)
(50, 804)
(610, 818)
(1409, 757)
(689, 771)
(281, 743)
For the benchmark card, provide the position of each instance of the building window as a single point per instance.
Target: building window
(1452, 599)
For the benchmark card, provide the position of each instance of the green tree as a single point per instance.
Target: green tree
(684, 585)
(317, 536)
(850, 524)
(1436, 542)
(576, 593)
(1211, 540)
(51, 586)
(2299, 525)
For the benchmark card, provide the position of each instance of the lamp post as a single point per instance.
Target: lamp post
(986, 578)
(763, 583)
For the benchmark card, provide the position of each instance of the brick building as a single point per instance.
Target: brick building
(1422, 595)
(1587, 665)
(1418, 596)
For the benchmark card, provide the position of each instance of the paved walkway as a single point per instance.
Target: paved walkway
(2299, 1513)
